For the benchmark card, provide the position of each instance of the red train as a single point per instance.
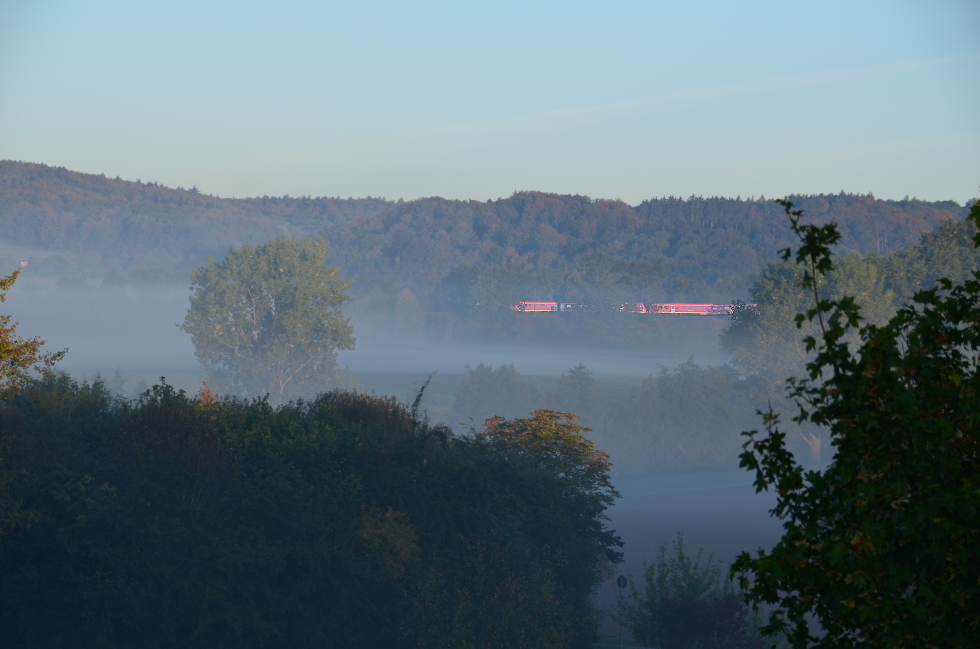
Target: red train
(670, 308)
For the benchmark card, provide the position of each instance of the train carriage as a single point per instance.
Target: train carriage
(691, 309)
(669, 308)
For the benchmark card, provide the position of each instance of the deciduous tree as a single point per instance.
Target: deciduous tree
(267, 320)
(881, 548)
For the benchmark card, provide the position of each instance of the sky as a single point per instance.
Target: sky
(628, 100)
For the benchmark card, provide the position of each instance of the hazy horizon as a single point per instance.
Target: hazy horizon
(629, 100)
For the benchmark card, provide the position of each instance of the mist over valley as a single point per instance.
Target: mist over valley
(106, 271)
(650, 325)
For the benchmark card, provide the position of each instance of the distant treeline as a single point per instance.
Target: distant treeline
(345, 521)
(701, 240)
(704, 240)
(117, 224)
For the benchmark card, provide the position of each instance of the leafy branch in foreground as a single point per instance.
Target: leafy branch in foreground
(882, 547)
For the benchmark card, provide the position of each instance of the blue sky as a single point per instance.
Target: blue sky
(627, 100)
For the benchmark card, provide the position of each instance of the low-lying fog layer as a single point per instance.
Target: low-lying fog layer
(135, 329)
(106, 328)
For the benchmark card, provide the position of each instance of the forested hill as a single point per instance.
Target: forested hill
(702, 238)
(100, 224)
(145, 224)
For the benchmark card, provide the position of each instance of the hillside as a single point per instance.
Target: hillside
(118, 223)
(93, 225)
(701, 239)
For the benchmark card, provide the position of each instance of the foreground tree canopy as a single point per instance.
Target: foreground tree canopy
(267, 320)
(881, 548)
(345, 521)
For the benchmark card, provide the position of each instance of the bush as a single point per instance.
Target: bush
(346, 521)
(685, 603)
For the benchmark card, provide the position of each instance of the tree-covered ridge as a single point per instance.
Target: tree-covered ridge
(65, 211)
(117, 224)
(704, 239)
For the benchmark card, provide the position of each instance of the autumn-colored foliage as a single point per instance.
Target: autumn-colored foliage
(18, 356)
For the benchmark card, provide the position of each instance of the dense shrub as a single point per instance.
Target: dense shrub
(685, 602)
(346, 521)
